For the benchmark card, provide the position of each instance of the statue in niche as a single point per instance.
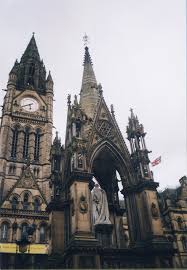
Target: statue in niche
(100, 206)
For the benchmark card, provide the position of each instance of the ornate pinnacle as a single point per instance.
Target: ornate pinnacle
(75, 100)
(112, 109)
(69, 99)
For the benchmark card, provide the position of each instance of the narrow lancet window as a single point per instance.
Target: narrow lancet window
(26, 144)
(14, 143)
(37, 145)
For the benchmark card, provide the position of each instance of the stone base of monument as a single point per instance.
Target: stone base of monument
(103, 233)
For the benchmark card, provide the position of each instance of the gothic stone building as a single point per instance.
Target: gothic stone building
(45, 188)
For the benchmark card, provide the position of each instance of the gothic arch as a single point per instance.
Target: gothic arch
(121, 161)
(16, 125)
(29, 195)
(15, 195)
(5, 220)
(28, 128)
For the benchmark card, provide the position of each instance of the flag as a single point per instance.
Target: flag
(156, 161)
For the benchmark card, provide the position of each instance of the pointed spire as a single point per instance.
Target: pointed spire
(75, 100)
(15, 67)
(32, 73)
(90, 93)
(132, 114)
(134, 127)
(69, 100)
(12, 80)
(49, 77)
(57, 142)
(88, 73)
(31, 50)
(49, 82)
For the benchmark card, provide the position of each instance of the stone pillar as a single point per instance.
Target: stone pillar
(56, 229)
(82, 247)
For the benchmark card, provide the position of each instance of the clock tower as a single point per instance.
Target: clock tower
(26, 125)
(25, 143)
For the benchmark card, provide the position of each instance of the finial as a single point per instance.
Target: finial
(69, 99)
(112, 109)
(85, 40)
(57, 134)
(132, 113)
(75, 100)
(33, 33)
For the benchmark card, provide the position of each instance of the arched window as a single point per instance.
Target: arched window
(24, 233)
(14, 142)
(184, 243)
(26, 144)
(4, 231)
(43, 232)
(14, 203)
(37, 145)
(26, 201)
(36, 205)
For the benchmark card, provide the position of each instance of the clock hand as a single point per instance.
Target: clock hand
(27, 105)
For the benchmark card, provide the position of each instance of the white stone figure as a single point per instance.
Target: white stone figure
(100, 206)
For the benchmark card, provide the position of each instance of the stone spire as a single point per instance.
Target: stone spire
(49, 82)
(31, 50)
(88, 73)
(13, 74)
(89, 91)
(14, 68)
(30, 72)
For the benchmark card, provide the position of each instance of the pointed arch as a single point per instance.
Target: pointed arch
(122, 162)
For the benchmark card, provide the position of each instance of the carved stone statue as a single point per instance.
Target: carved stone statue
(100, 206)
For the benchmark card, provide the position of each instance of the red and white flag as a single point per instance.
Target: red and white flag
(156, 161)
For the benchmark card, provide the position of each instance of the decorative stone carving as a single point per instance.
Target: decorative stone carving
(27, 182)
(104, 128)
(83, 205)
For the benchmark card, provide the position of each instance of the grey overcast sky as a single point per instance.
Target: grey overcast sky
(138, 49)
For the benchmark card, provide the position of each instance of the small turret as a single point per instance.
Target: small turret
(13, 74)
(49, 82)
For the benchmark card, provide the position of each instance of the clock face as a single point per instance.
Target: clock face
(29, 104)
